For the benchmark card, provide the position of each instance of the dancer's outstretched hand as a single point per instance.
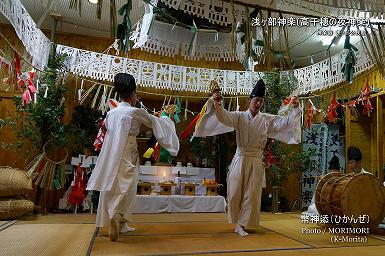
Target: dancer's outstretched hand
(217, 99)
(295, 102)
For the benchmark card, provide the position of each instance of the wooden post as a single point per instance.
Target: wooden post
(275, 202)
(92, 203)
(380, 138)
(373, 142)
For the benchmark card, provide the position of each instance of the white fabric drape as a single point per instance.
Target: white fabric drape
(209, 124)
(177, 203)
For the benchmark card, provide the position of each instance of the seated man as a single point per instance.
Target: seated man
(354, 160)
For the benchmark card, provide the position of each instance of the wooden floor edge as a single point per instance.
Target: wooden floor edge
(8, 224)
(92, 241)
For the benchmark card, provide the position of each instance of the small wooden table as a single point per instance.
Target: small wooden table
(189, 189)
(212, 189)
(165, 188)
(144, 188)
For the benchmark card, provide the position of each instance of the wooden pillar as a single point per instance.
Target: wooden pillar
(379, 138)
(373, 142)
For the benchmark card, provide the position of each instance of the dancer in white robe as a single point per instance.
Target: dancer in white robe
(246, 175)
(116, 171)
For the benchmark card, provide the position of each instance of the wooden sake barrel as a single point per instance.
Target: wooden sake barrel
(14, 208)
(359, 195)
(318, 194)
(13, 182)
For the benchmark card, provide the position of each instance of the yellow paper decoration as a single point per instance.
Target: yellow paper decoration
(148, 153)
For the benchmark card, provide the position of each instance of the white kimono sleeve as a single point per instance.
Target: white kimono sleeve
(142, 116)
(228, 118)
(286, 128)
(165, 133)
(163, 129)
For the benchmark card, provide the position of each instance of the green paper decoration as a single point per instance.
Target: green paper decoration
(57, 181)
(178, 105)
(176, 118)
(178, 110)
(164, 156)
(124, 29)
(350, 59)
(194, 30)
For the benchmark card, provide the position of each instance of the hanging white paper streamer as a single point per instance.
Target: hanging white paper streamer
(103, 99)
(85, 95)
(37, 90)
(303, 111)
(173, 26)
(76, 87)
(46, 90)
(96, 97)
(146, 24)
(169, 100)
(229, 108)
(142, 105)
(62, 101)
(185, 110)
(80, 91)
(240, 47)
(193, 43)
(106, 107)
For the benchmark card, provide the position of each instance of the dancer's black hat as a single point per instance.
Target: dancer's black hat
(258, 90)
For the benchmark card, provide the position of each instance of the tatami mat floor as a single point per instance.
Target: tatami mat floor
(174, 234)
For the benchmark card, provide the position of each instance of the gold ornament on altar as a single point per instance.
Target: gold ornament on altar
(214, 86)
(170, 109)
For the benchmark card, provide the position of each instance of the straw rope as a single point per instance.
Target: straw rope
(45, 178)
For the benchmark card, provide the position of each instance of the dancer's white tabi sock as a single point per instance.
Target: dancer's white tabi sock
(240, 231)
(125, 228)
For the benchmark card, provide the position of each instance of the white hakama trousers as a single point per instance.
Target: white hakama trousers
(121, 198)
(245, 180)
